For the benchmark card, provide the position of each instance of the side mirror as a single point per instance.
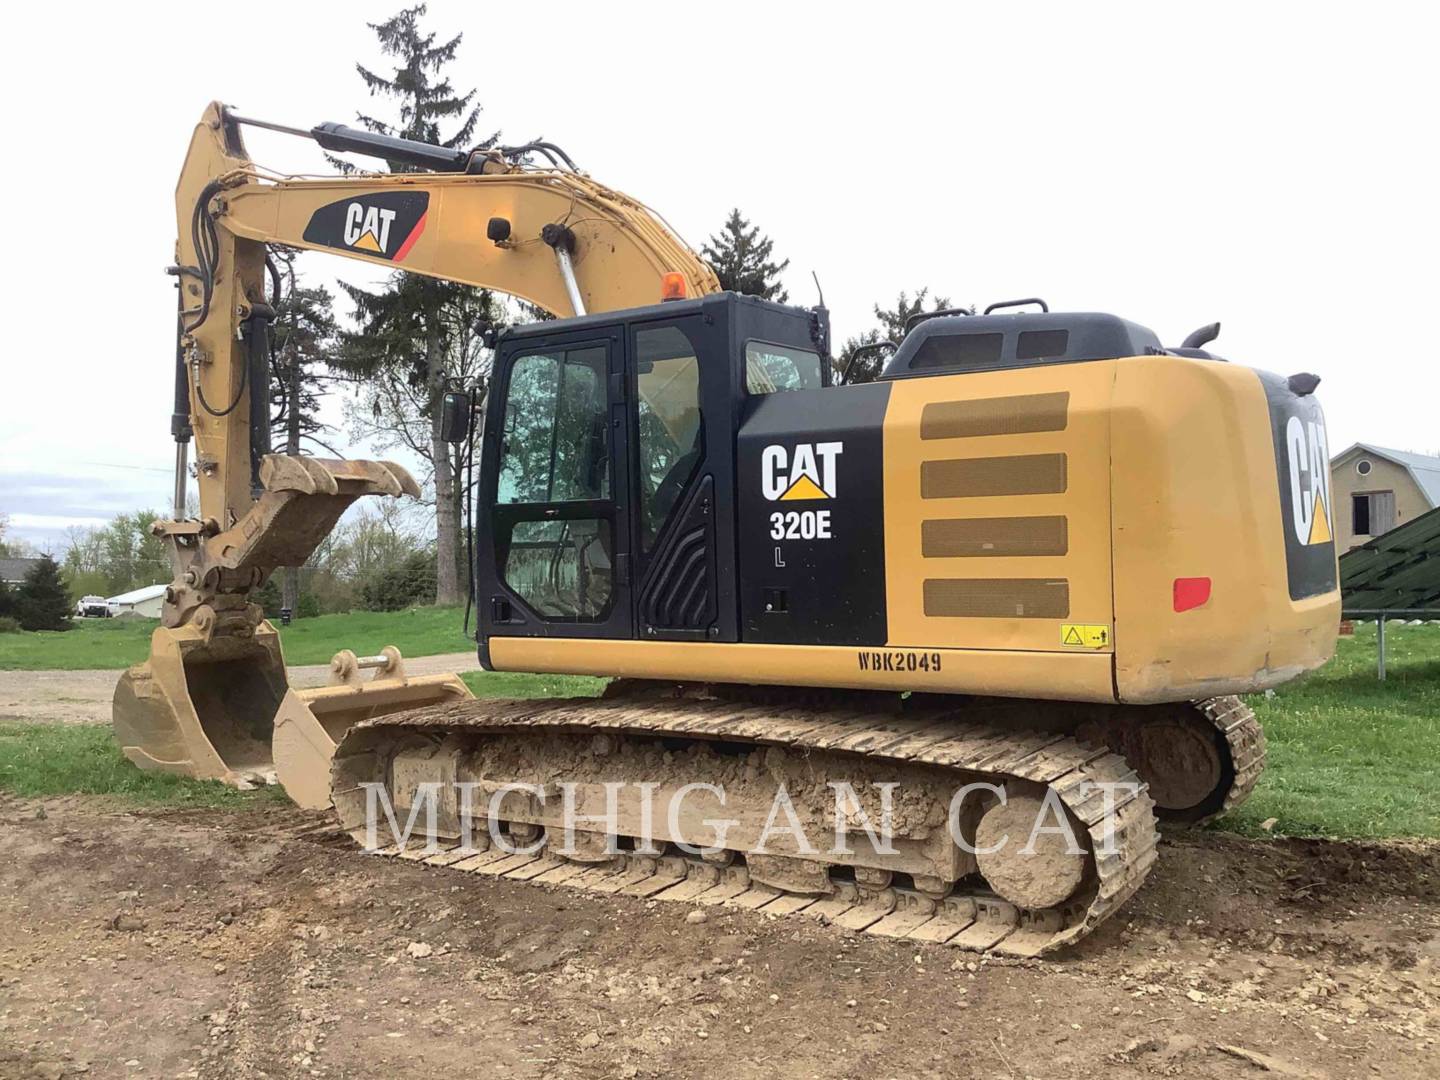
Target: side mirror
(455, 411)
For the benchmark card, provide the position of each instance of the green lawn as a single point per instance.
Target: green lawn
(1349, 756)
(510, 684)
(56, 759)
(118, 643)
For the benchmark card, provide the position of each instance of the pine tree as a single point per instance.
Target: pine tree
(7, 600)
(43, 602)
(305, 338)
(741, 258)
(869, 364)
(426, 96)
(417, 333)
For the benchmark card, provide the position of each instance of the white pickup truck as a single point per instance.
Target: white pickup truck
(93, 607)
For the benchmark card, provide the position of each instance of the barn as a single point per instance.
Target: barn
(1378, 489)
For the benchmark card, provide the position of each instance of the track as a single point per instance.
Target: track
(1245, 740)
(965, 912)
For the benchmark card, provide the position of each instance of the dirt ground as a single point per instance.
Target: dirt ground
(254, 943)
(83, 697)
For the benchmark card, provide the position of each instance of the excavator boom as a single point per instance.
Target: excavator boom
(204, 702)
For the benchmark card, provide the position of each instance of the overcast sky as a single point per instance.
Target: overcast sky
(1272, 166)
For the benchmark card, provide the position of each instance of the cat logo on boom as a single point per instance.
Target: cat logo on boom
(809, 471)
(384, 225)
(368, 227)
(1309, 460)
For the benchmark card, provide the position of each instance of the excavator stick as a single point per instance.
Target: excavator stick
(311, 723)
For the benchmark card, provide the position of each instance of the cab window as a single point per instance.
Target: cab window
(770, 368)
(667, 383)
(555, 446)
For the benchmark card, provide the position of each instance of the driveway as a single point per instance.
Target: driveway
(83, 697)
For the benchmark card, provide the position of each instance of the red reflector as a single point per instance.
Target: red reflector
(1191, 592)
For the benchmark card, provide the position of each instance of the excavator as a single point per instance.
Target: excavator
(1037, 559)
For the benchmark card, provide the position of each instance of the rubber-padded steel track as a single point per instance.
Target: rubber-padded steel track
(969, 916)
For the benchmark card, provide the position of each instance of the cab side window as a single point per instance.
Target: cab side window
(667, 379)
(771, 368)
(555, 446)
(555, 450)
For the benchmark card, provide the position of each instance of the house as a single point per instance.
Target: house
(146, 602)
(13, 571)
(1376, 489)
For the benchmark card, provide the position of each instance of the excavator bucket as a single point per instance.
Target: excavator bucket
(204, 703)
(203, 706)
(311, 723)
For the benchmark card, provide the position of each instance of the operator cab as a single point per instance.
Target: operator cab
(608, 465)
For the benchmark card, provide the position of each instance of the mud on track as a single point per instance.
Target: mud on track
(231, 944)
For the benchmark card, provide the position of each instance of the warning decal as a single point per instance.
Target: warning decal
(1084, 635)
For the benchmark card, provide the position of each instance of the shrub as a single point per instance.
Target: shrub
(9, 625)
(410, 583)
(268, 596)
(43, 602)
(307, 607)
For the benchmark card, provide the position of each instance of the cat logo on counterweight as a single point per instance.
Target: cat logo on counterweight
(1309, 461)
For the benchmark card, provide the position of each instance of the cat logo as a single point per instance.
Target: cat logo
(368, 227)
(809, 472)
(1309, 460)
(383, 225)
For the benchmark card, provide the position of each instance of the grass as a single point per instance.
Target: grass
(118, 643)
(1350, 757)
(508, 684)
(82, 759)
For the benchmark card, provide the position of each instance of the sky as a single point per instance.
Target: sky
(1271, 166)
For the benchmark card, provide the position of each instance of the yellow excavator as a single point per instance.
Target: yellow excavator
(1038, 556)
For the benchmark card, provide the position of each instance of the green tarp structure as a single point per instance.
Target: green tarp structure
(1397, 572)
(1395, 575)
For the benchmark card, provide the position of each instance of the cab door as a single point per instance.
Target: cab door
(682, 507)
(555, 557)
